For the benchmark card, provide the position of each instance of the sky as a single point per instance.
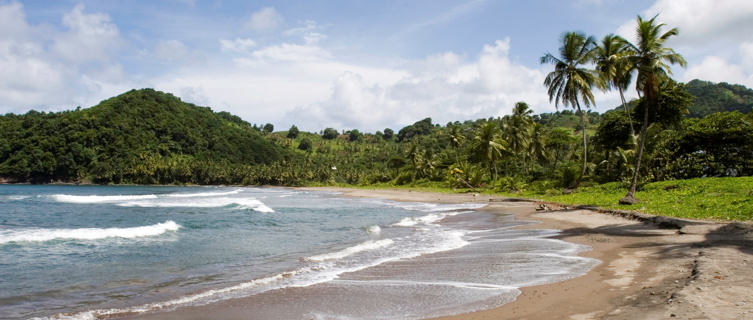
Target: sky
(358, 64)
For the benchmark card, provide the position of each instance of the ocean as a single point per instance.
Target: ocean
(87, 252)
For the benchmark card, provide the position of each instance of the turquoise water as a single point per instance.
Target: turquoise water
(92, 251)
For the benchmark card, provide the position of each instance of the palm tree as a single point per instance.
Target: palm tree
(614, 67)
(537, 145)
(649, 57)
(570, 83)
(489, 145)
(456, 140)
(517, 129)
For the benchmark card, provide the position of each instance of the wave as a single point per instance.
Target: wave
(99, 199)
(40, 235)
(368, 245)
(373, 229)
(14, 197)
(427, 219)
(241, 203)
(317, 269)
(203, 194)
(196, 200)
(434, 207)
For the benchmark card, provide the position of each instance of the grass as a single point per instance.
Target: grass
(701, 198)
(729, 199)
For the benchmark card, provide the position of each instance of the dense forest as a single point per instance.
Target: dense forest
(142, 136)
(149, 137)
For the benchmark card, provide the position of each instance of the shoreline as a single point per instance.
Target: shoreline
(702, 270)
(699, 269)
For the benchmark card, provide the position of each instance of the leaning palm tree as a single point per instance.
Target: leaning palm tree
(614, 68)
(570, 83)
(650, 58)
(489, 145)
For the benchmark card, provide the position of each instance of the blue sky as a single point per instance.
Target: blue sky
(343, 64)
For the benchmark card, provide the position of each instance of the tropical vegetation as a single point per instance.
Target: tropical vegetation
(688, 132)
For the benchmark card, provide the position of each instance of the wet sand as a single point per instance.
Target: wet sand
(702, 271)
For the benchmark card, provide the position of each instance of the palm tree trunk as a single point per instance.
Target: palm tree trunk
(650, 102)
(585, 147)
(624, 105)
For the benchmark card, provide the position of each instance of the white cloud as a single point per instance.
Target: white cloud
(309, 32)
(442, 87)
(47, 68)
(700, 21)
(716, 69)
(265, 19)
(237, 45)
(746, 55)
(291, 52)
(91, 37)
(171, 50)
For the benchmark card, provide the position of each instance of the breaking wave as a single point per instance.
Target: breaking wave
(40, 235)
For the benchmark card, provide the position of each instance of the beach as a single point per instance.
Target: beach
(703, 270)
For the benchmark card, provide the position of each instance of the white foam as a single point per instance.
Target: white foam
(99, 199)
(38, 235)
(373, 229)
(434, 207)
(202, 194)
(14, 197)
(322, 268)
(368, 245)
(241, 203)
(427, 219)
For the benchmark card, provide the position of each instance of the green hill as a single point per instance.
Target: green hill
(141, 136)
(718, 97)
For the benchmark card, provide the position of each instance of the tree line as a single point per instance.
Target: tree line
(149, 137)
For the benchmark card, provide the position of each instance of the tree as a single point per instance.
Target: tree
(293, 132)
(649, 56)
(354, 135)
(488, 145)
(457, 138)
(268, 128)
(517, 130)
(418, 128)
(614, 67)
(570, 83)
(329, 134)
(388, 133)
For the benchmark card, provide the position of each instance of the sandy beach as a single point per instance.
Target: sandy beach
(701, 270)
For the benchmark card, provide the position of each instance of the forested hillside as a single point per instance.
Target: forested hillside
(718, 97)
(146, 136)
(141, 136)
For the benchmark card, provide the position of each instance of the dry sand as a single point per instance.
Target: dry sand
(702, 271)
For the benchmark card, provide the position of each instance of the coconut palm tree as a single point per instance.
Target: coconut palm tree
(456, 140)
(614, 68)
(570, 83)
(488, 144)
(517, 130)
(650, 58)
(537, 144)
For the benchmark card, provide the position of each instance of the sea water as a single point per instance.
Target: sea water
(85, 252)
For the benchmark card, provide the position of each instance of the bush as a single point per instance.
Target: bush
(404, 177)
(305, 145)
(329, 134)
(568, 174)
